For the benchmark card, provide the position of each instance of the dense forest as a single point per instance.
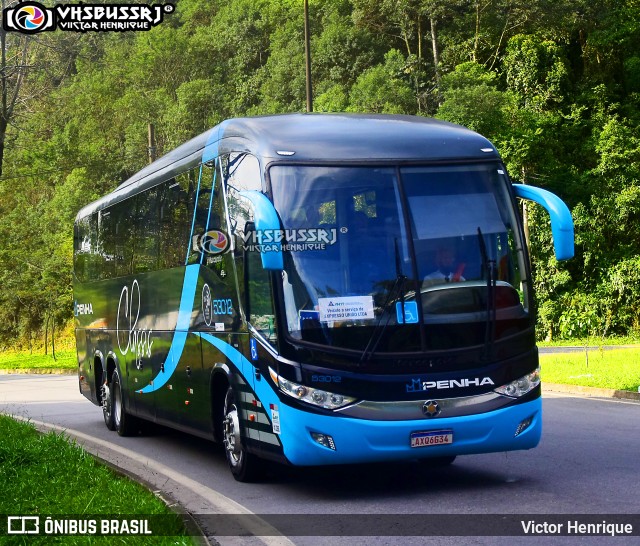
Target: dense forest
(555, 84)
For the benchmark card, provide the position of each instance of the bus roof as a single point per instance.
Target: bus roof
(314, 137)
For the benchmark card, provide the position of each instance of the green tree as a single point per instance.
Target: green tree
(537, 71)
(472, 98)
(382, 89)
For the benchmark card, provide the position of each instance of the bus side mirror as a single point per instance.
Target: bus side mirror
(561, 220)
(266, 221)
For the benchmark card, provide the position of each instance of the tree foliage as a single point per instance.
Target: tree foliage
(555, 84)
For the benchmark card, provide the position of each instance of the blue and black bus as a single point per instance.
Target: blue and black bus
(316, 289)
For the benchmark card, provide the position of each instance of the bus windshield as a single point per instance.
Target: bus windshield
(416, 258)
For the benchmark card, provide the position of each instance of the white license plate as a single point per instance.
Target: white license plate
(431, 438)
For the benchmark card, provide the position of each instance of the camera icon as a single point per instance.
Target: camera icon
(29, 18)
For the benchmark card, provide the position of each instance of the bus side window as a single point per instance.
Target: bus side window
(241, 172)
(106, 238)
(175, 220)
(214, 222)
(148, 223)
(123, 216)
(82, 248)
(217, 219)
(201, 219)
(257, 286)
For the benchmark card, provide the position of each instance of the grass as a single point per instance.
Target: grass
(65, 360)
(46, 475)
(592, 342)
(609, 369)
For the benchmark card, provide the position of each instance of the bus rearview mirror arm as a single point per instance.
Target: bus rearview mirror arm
(561, 220)
(266, 219)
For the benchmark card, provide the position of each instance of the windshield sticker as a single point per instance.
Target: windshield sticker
(346, 308)
(308, 315)
(410, 314)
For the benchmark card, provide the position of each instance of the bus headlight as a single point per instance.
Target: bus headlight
(315, 397)
(521, 386)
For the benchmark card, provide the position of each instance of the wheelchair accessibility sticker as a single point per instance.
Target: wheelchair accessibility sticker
(254, 349)
(410, 312)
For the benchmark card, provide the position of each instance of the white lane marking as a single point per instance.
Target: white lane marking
(224, 504)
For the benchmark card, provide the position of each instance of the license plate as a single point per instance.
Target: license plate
(431, 438)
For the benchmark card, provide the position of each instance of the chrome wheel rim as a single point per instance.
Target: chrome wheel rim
(106, 399)
(117, 406)
(232, 442)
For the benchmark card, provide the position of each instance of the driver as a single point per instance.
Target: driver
(447, 268)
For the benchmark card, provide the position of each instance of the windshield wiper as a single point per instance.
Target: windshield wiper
(398, 285)
(490, 267)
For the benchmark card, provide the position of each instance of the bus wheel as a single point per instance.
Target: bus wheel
(123, 422)
(244, 466)
(107, 406)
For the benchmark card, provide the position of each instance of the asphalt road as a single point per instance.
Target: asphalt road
(587, 463)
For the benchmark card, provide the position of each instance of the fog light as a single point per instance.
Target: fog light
(524, 425)
(324, 440)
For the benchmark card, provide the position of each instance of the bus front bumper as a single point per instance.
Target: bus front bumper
(359, 440)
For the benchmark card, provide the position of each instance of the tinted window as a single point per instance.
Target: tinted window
(123, 218)
(147, 241)
(175, 219)
(200, 221)
(82, 248)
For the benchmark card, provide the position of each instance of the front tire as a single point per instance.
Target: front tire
(244, 466)
(124, 423)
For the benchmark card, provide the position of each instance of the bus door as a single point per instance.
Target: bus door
(241, 175)
(183, 398)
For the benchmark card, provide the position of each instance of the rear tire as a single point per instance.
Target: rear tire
(124, 423)
(244, 466)
(107, 406)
